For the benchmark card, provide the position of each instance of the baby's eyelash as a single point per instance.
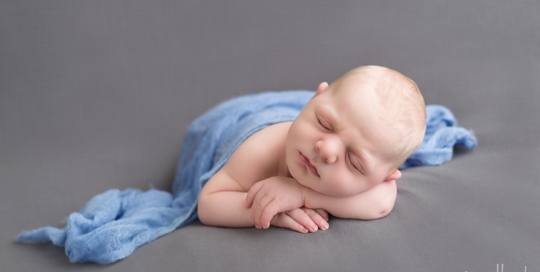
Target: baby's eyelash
(323, 125)
(349, 156)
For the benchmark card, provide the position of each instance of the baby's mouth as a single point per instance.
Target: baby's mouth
(306, 162)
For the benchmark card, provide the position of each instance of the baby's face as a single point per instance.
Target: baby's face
(337, 144)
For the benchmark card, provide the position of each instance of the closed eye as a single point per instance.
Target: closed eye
(350, 160)
(325, 126)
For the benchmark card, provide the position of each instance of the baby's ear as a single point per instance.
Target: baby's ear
(394, 176)
(323, 86)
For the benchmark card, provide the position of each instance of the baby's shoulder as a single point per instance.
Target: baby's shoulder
(259, 156)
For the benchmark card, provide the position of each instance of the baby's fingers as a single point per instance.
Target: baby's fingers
(317, 217)
(260, 212)
(324, 214)
(252, 193)
(284, 221)
(300, 216)
(265, 214)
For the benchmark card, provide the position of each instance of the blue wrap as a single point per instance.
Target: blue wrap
(111, 225)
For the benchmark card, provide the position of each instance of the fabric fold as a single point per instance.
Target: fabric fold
(442, 133)
(112, 224)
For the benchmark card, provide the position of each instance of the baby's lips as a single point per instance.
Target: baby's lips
(305, 161)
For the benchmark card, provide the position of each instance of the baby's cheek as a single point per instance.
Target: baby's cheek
(294, 134)
(304, 129)
(338, 186)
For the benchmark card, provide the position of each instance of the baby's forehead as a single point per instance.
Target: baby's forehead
(350, 112)
(351, 95)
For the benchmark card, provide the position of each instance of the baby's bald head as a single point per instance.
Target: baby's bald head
(398, 103)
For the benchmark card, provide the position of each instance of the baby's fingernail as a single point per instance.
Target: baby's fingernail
(304, 230)
(325, 226)
(314, 228)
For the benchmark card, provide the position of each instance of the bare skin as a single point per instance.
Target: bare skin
(266, 182)
(222, 199)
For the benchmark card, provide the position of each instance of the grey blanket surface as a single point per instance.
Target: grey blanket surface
(97, 95)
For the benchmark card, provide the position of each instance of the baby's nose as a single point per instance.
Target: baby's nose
(327, 150)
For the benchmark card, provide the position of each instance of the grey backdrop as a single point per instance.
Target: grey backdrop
(98, 94)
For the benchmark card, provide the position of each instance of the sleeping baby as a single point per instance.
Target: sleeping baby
(340, 156)
(287, 159)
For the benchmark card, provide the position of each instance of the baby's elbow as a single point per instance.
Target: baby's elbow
(382, 207)
(386, 206)
(385, 210)
(377, 212)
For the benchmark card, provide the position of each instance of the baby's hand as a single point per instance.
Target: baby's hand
(272, 196)
(302, 220)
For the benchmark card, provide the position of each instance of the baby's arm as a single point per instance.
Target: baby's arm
(372, 204)
(222, 203)
(273, 196)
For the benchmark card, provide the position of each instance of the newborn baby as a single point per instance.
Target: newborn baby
(286, 159)
(339, 156)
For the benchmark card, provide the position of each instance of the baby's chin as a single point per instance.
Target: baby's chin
(293, 172)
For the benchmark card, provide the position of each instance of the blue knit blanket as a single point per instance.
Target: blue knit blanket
(112, 224)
